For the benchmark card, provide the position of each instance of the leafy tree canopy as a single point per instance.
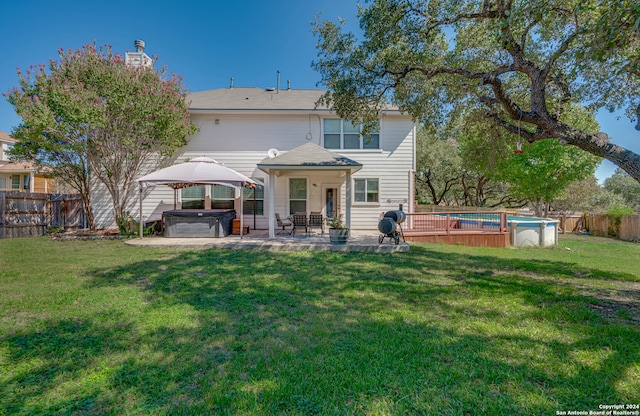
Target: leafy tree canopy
(90, 112)
(524, 64)
(624, 186)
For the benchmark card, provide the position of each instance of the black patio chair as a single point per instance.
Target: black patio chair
(316, 220)
(300, 221)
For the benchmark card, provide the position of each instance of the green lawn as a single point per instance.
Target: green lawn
(98, 327)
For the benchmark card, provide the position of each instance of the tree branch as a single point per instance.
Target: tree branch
(486, 13)
(530, 137)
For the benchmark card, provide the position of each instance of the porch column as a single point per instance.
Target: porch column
(348, 198)
(272, 204)
(140, 230)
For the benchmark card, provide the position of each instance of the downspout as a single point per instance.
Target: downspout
(241, 209)
(348, 199)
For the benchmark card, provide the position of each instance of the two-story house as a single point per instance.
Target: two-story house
(20, 176)
(304, 159)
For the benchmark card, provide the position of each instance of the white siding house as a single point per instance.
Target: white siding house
(331, 168)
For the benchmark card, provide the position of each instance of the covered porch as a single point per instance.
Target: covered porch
(308, 179)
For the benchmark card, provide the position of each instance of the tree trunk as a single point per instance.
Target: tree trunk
(85, 195)
(538, 207)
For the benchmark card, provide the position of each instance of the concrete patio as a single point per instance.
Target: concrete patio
(360, 241)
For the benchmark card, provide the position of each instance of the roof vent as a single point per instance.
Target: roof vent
(270, 89)
(139, 45)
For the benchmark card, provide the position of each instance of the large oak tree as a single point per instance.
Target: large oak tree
(522, 62)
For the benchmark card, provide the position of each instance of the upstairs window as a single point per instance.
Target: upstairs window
(4, 150)
(342, 134)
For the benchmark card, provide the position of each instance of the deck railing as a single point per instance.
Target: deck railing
(446, 223)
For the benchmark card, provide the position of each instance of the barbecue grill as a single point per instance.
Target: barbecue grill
(390, 226)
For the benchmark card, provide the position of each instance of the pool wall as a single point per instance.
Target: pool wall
(523, 231)
(527, 231)
(480, 229)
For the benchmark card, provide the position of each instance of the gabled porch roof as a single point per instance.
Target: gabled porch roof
(309, 156)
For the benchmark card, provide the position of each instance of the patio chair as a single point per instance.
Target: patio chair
(316, 220)
(284, 224)
(300, 221)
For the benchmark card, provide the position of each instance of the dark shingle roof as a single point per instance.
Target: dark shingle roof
(254, 99)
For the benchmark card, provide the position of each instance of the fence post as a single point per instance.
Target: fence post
(2, 210)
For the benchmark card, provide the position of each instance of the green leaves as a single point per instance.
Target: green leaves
(92, 112)
(528, 60)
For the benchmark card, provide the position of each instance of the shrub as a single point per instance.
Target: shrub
(614, 215)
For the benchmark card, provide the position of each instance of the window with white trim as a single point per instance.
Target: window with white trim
(5, 148)
(343, 134)
(193, 197)
(248, 195)
(15, 181)
(222, 197)
(297, 195)
(366, 190)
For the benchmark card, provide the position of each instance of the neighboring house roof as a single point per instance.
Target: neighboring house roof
(252, 98)
(309, 156)
(18, 167)
(4, 137)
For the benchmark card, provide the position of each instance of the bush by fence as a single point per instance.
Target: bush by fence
(30, 214)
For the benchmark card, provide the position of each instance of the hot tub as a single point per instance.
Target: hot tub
(198, 222)
(531, 231)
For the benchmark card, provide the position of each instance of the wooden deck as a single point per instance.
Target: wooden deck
(478, 229)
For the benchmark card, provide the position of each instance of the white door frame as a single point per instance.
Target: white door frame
(337, 197)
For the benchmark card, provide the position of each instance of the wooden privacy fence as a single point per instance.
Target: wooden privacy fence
(29, 215)
(569, 223)
(629, 229)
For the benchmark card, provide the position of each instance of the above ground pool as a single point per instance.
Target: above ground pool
(531, 231)
(523, 231)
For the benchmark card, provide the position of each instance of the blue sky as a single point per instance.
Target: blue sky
(206, 41)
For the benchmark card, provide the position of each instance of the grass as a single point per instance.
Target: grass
(98, 327)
